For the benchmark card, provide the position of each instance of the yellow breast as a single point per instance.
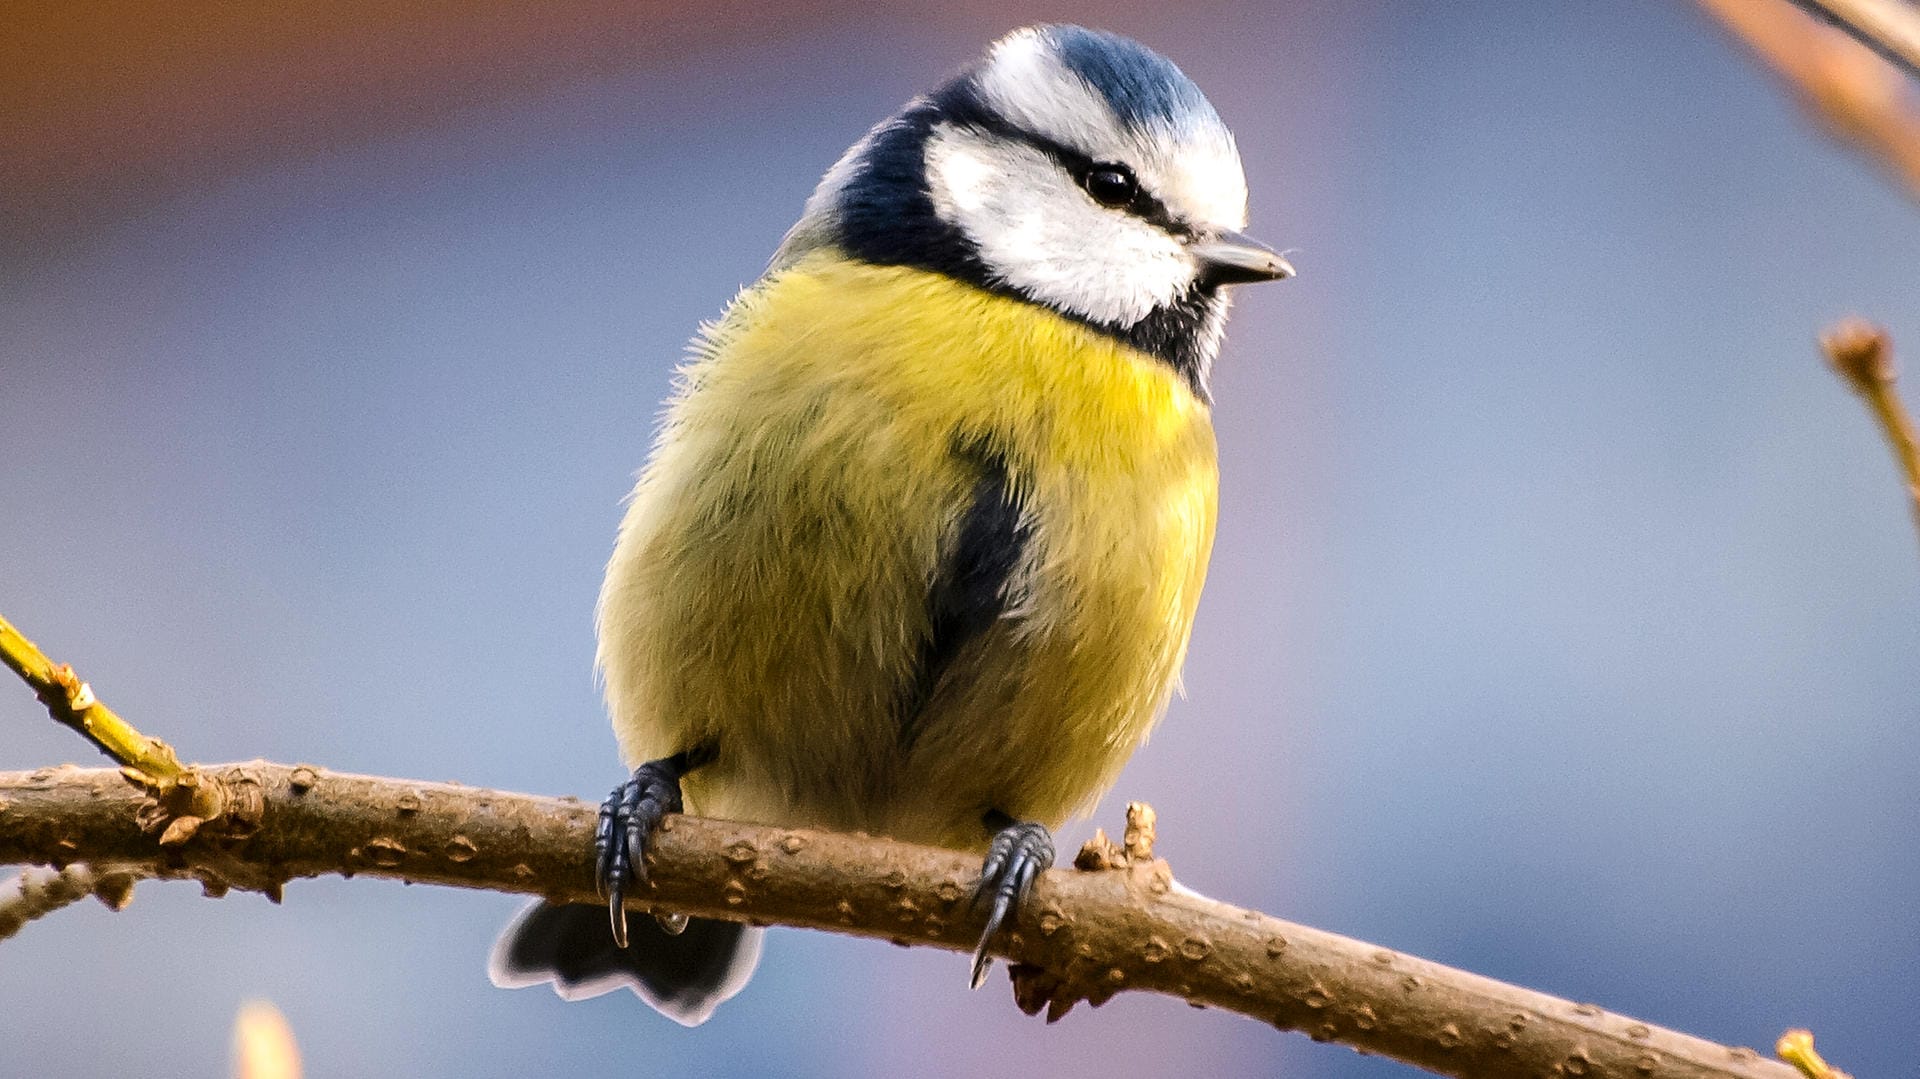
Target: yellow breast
(769, 587)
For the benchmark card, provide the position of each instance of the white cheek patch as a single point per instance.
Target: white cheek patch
(1037, 232)
(959, 175)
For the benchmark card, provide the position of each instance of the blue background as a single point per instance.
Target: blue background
(1562, 624)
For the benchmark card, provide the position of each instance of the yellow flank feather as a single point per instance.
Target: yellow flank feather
(769, 588)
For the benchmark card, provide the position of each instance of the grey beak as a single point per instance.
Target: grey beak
(1228, 258)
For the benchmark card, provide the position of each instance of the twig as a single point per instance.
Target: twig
(1855, 93)
(1796, 1048)
(71, 702)
(1862, 355)
(1888, 27)
(36, 893)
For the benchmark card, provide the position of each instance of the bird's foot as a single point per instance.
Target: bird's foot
(1020, 852)
(627, 820)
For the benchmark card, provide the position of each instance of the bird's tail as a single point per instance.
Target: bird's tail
(683, 976)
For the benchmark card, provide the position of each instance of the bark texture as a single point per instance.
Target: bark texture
(1086, 935)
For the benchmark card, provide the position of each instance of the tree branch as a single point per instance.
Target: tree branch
(1854, 93)
(1116, 922)
(1888, 27)
(1087, 934)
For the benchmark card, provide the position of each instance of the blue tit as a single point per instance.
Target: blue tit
(919, 544)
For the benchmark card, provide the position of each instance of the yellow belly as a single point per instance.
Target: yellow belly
(768, 591)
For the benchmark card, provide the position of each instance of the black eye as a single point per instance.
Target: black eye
(1111, 185)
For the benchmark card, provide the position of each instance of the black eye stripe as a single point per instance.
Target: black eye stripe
(1145, 205)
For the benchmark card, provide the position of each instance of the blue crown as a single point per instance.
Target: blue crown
(1143, 87)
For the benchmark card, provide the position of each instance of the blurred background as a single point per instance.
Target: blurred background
(1562, 624)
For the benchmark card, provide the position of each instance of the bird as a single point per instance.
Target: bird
(919, 543)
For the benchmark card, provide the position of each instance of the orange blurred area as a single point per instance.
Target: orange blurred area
(263, 1043)
(120, 104)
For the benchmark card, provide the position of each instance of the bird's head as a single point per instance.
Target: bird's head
(1070, 168)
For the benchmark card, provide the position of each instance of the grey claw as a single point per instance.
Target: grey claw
(627, 818)
(617, 911)
(982, 962)
(1015, 859)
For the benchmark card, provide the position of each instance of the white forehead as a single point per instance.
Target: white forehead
(1193, 168)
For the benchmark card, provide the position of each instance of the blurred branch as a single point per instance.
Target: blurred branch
(1862, 355)
(263, 1043)
(1855, 93)
(1116, 922)
(36, 893)
(1888, 27)
(1867, 102)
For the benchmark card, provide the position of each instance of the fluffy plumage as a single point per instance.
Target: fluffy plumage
(770, 588)
(922, 535)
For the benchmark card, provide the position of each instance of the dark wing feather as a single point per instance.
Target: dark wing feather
(968, 592)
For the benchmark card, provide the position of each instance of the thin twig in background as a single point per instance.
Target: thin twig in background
(1086, 934)
(1856, 94)
(1869, 104)
(1862, 355)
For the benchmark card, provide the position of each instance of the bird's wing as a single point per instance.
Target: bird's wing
(971, 587)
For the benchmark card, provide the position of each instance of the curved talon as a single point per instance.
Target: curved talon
(617, 913)
(609, 874)
(1020, 852)
(638, 824)
(627, 818)
(603, 844)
